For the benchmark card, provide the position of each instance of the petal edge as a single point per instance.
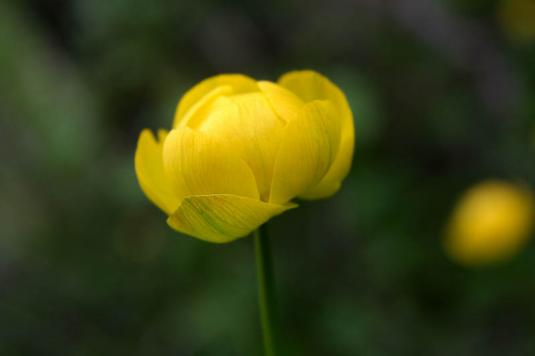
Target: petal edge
(148, 164)
(222, 218)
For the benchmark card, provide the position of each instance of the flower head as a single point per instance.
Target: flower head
(517, 18)
(240, 150)
(491, 223)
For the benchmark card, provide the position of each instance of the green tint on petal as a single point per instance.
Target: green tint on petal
(237, 82)
(222, 218)
(150, 172)
(200, 164)
(310, 85)
(307, 150)
(248, 123)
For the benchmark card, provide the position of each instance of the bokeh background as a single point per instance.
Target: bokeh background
(443, 94)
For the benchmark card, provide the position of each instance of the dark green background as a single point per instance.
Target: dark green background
(443, 97)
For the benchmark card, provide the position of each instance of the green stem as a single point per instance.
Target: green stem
(266, 299)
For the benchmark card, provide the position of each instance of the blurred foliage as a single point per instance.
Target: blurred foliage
(443, 94)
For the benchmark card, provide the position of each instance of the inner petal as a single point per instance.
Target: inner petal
(248, 122)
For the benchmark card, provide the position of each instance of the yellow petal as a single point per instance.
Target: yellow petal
(306, 152)
(198, 111)
(285, 103)
(248, 124)
(222, 218)
(200, 164)
(332, 181)
(237, 82)
(310, 85)
(150, 172)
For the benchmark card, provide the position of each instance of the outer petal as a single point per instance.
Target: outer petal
(150, 172)
(310, 85)
(238, 82)
(307, 150)
(199, 164)
(248, 124)
(222, 218)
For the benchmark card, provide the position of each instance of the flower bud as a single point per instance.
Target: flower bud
(241, 150)
(491, 222)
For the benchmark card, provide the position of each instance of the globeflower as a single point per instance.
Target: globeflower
(517, 18)
(491, 222)
(241, 150)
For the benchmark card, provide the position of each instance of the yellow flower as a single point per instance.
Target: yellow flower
(240, 150)
(491, 223)
(518, 19)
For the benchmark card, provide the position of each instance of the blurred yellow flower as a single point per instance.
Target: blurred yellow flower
(240, 150)
(491, 222)
(518, 18)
